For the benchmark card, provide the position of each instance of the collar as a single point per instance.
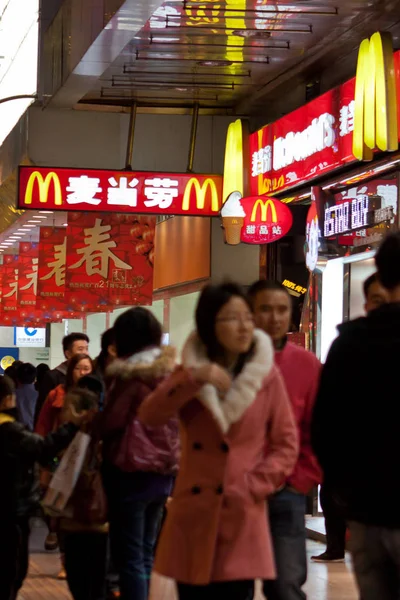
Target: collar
(245, 386)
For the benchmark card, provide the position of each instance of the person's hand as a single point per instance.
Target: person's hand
(215, 375)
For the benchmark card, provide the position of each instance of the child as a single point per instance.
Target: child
(19, 450)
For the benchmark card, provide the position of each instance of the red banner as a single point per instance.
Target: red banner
(28, 274)
(119, 191)
(10, 283)
(109, 261)
(52, 267)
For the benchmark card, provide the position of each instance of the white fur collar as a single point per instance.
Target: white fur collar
(245, 386)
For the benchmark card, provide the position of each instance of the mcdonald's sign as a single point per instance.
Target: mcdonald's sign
(43, 188)
(375, 110)
(119, 191)
(264, 204)
(201, 190)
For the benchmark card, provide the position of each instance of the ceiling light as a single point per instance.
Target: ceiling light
(29, 226)
(34, 221)
(214, 63)
(65, 224)
(252, 33)
(40, 217)
(45, 212)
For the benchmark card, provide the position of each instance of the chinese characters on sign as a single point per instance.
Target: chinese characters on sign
(117, 191)
(28, 274)
(10, 283)
(52, 267)
(109, 261)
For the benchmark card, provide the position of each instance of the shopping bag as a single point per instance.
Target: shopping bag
(65, 477)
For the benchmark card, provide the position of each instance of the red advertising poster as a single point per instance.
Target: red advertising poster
(109, 261)
(10, 283)
(118, 191)
(28, 274)
(52, 267)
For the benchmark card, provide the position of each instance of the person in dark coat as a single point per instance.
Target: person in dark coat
(356, 432)
(20, 491)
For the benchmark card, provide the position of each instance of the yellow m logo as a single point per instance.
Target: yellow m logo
(43, 188)
(201, 193)
(264, 206)
(375, 111)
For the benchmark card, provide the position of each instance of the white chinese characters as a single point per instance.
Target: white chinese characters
(262, 161)
(160, 192)
(347, 119)
(122, 193)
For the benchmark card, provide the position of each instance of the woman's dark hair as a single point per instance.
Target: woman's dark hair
(7, 387)
(387, 261)
(72, 363)
(135, 330)
(107, 339)
(26, 374)
(212, 299)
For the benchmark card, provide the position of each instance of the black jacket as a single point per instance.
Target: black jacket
(50, 381)
(19, 451)
(356, 422)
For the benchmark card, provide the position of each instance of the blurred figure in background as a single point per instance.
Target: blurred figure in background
(50, 418)
(356, 432)
(107, 355)
(74, 343)
(139, 462)
(334, 512)
(19, 498)
(272, 307)
(26, 394)
(239, 444)
(41, 371)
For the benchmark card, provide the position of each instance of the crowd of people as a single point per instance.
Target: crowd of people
(205, 462)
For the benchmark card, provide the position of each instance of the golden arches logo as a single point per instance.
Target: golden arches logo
(375, 110)
(43, 184)
(201, 193)
(264, 206)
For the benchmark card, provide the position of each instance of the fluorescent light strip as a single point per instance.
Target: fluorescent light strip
(45, 212)
(34, 221)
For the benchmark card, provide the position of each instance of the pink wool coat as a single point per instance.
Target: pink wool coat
(236, 451)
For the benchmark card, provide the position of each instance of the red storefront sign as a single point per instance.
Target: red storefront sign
(10, 283)
(119, 191)
(267, 220)
(308, 142)
(28, 274)
(109, 261)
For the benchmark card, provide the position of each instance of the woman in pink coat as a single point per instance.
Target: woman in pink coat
(239, 444)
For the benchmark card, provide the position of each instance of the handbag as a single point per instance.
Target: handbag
(148, 449)
(88, 503)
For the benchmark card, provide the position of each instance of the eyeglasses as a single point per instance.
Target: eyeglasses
(237, 320)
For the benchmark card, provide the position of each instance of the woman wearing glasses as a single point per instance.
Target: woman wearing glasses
(239, 443)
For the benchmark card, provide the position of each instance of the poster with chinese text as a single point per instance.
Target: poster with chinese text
(52, 266)
(109, 260)
(10, 283)
(28, 274)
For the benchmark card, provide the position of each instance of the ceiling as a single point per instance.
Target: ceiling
(229, 53)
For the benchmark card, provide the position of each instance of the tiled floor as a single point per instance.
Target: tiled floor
(325, 582)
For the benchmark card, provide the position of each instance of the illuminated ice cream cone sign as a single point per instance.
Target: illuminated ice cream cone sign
(233, 215)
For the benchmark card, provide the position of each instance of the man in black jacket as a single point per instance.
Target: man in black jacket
(74, 343)
(19, 450)
(356, 432)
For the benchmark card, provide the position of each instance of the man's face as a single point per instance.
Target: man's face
(377, 295)
(78, 347)
(273, 313)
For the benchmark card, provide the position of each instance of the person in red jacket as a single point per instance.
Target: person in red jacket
(272, 306)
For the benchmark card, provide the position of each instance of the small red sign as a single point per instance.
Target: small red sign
(28, 274)
(10, 283)
(119, 191)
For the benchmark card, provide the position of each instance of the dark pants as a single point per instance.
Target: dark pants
(287, 522)
(85, 564)
(376, 559)
(14, 556)
(335, 523)
(134, 527)
(229, 590)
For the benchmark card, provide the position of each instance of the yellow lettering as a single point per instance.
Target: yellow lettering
(201, 192)
(375, 111)
(264, 206)
(43, 188)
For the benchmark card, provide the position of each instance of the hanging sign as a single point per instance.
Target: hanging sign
(119, 191)
(28, 274)
(255, 219)
(10, 283)
(109, 261)
(51, 290)
(312, 238)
